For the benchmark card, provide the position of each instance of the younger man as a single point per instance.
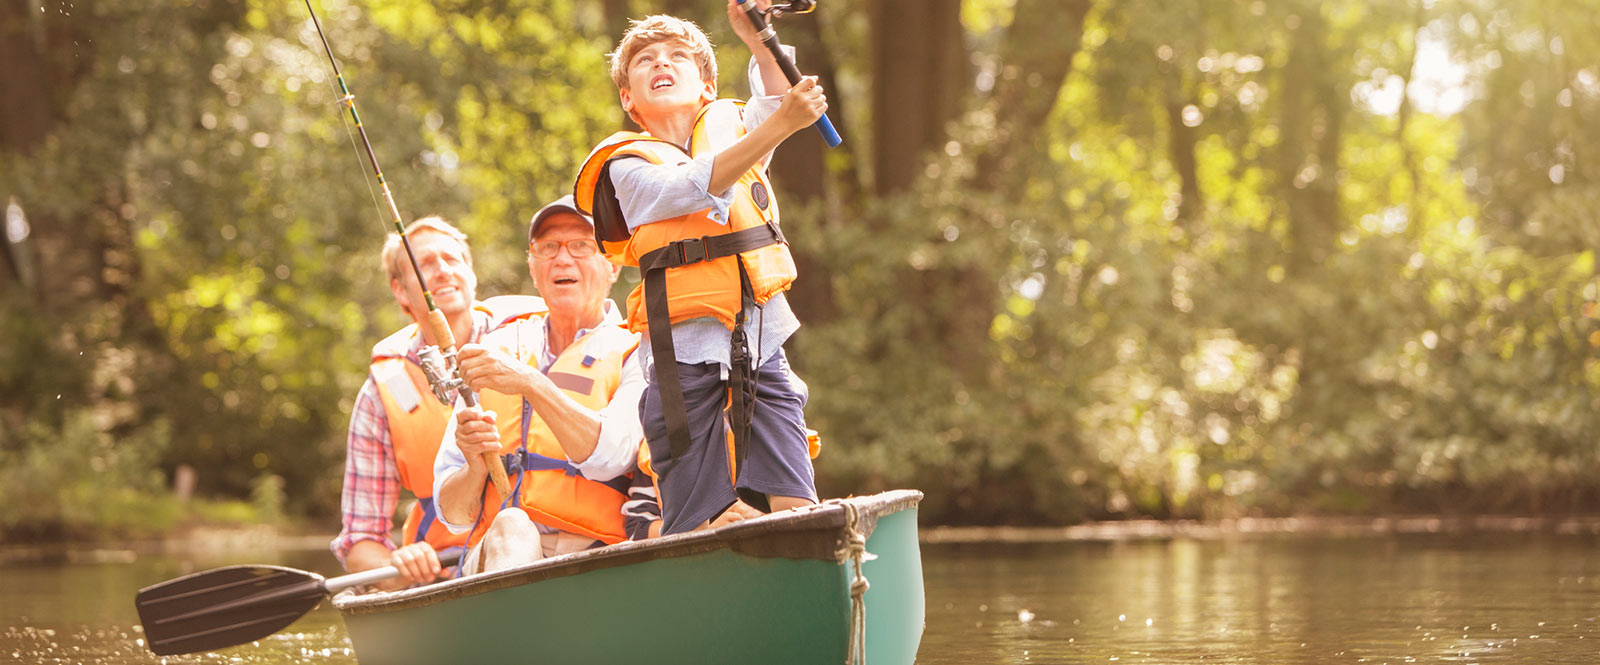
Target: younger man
(397, 424)
(688, 202)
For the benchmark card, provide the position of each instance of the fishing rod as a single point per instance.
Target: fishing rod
(769, 38)
(438, 362)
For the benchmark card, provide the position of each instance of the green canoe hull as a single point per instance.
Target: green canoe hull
(773, 590)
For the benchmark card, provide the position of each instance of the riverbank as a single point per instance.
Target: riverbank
(1256, 526)
(207, 540)
(232, 539)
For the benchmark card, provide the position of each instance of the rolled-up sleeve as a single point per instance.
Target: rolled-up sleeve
(653, 192)
(763, 103)
(617, 451)
(446, 462)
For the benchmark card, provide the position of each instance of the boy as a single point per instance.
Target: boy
(688, 202)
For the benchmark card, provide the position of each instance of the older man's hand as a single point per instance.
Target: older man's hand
(484, 368)
(476, 434)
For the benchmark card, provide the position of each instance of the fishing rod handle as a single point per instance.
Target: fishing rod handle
(769, 38)
(447, 343)
(375, 575)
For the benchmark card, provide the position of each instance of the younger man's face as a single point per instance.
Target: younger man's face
(664, 77)
(444, 263)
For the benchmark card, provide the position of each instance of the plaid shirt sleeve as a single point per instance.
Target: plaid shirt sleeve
(371, 479)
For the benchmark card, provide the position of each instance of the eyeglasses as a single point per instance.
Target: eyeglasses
(579, 248)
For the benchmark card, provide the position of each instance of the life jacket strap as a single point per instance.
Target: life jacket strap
(658, 313)
(429, 516)
(521, 460)
(688, 251)
(741, 377)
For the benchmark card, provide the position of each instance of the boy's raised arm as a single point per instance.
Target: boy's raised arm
(772, 77)
(801, 106)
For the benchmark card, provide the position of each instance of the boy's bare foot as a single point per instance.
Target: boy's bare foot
(737, 512)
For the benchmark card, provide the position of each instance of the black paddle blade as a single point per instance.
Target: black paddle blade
(224, 607)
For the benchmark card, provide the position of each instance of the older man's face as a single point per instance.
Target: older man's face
(569, 284)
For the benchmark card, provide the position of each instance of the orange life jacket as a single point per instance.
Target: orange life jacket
(417, 420)
(549, 488)
(704, 288)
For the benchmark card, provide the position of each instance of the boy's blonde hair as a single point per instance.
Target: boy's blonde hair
(659, 28)
(394, 254)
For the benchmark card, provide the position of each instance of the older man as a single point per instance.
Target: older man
(396, 425)
(559, 401)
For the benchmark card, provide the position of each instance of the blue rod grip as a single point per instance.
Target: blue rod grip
(829, 135)
(791, 72)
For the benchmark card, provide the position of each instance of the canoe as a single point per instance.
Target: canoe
(771, 590)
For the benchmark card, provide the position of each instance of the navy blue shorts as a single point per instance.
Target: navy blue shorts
(697, 487)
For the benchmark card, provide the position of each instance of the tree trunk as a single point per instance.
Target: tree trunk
(1181, 148)
(616, 14)
(797, 167)
(1035, 59)
(919, 79)
(1308, 160)
(799, 171)
(25, 116)
(1414, 209)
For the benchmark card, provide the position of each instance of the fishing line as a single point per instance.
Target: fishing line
(333, 86)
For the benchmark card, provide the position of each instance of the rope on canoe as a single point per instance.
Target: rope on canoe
(855, 549)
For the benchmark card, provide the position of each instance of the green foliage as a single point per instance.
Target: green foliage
(78, 480)
(1143, 362)
(1224, 275)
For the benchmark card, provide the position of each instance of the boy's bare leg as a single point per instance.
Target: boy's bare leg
(512, 540)
(787, 502)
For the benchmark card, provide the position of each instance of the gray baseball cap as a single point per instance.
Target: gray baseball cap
(563, 204)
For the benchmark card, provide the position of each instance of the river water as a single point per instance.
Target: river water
(1420, 598)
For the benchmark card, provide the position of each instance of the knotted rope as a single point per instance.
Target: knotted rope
(855, 551)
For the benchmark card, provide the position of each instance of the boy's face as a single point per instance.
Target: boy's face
(664, 77)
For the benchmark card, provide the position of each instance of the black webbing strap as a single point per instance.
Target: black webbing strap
(741, 375)
(654, 265)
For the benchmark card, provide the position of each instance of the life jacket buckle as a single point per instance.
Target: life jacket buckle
(513, 463)
(691, 250)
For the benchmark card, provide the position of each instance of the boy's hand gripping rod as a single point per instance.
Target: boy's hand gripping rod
(769, 37)
(438, 363)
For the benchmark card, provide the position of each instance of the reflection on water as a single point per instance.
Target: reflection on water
(84, 612)
(1394, 599)
(1391, 599)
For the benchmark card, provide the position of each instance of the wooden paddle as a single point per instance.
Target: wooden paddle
(229, 606)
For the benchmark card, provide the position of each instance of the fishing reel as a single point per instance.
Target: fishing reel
(792, 7)
(440, 370)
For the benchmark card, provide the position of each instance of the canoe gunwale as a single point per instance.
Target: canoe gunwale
(816, 532)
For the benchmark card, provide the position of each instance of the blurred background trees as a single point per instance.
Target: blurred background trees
(1076, 259)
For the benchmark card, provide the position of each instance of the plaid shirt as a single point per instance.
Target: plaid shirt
(371, 477)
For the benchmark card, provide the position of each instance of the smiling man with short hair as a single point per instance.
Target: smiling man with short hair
(396, 422)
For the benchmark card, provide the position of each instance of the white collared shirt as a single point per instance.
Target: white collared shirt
(616, 451)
